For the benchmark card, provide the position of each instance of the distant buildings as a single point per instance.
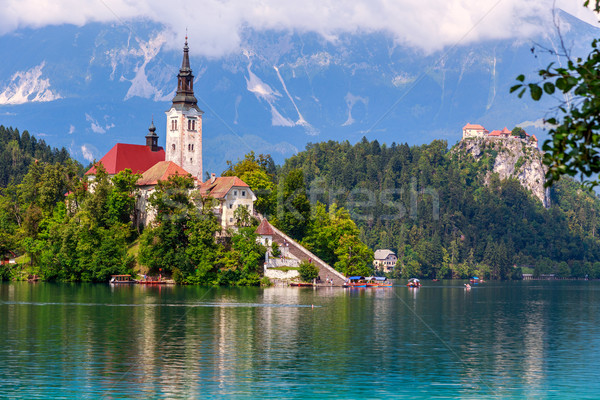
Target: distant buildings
(182, 156)
(478, 131)
(385, 260)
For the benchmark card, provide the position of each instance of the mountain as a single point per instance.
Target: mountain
(87, 88)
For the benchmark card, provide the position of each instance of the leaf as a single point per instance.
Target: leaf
(536, 91)
(514, 88)
(549, 87)
(521, 78)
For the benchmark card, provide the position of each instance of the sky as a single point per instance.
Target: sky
(218, 25)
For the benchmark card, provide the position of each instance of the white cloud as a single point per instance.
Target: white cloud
(538, 123)
(95, 126)
(28, 86)
(87, 152)
(71, 129)
(216, 26)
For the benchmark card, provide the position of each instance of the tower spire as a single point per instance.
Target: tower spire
(184, 98)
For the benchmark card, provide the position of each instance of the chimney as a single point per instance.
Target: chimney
(213, 178)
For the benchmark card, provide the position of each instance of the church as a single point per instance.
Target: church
(182, 155)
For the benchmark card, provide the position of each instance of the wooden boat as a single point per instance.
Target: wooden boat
(356, 282)
(121, 279)
(302, 284)
(414, 283)
(152, 282)
(378, 281)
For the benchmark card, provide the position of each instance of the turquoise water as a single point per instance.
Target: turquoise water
(530, 340)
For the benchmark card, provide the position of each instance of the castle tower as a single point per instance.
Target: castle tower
(184, 123)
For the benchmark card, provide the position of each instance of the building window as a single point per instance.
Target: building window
(235, 192)
(230, 219)
(230, 206)
(191, 160)
(190, 147)
(173, 124)
(173, 147)
(243, 193)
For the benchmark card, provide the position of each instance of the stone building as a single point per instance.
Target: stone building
(182, 155)
(385, 260)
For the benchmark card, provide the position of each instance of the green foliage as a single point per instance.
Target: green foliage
(574, 144)
(18, 151)
(519, 132)
(308, 271)
(182, 242)
(293, 207)
(258, 173)
(431, 207)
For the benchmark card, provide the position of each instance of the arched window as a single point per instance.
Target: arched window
(173, 147)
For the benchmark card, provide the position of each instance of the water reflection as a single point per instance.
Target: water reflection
(497, 340)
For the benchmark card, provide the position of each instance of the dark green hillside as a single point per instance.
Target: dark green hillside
(19, 150)
(432, 207)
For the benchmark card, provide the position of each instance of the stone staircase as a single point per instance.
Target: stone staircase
(287, 244)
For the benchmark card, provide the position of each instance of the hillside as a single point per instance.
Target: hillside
(449, 215)
(19, 150)
(509, 158)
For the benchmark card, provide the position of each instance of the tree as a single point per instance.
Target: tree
(519, 132)
(258, 173)
(574, 144)
(308, 271)
(293, 207)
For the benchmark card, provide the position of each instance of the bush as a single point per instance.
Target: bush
(275, 251)
(308, 271)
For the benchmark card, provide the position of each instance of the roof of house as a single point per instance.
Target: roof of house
(161, 171)
(221, 186)
(534, 138)
(506, 131)
(382, 254)
(473, 126)
(265, 228)
(495, 133)
(138, 158)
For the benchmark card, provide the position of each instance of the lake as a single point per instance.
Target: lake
(500, 340)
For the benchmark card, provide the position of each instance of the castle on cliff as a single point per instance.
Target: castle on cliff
(478, 131)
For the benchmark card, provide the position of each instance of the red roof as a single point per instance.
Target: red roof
(473, 126)
(265, 229)
(138, 158)
(221, 186)
(506, 131)
(534, 138)
(495, 133)
(161, 171)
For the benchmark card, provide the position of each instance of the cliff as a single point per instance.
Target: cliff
(510, 158)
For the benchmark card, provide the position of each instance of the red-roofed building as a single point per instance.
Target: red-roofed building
(231, 193)
(265, 233)
(474, 130)
(161, 171)
(136, 157)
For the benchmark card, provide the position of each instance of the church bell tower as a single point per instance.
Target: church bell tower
(184, 122)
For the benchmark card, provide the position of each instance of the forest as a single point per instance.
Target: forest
(341, 201)
(431, 207)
